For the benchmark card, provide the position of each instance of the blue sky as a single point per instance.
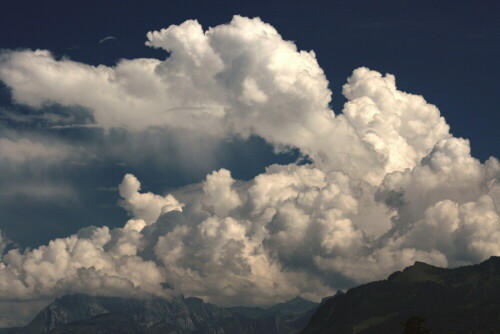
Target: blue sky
(227, 97)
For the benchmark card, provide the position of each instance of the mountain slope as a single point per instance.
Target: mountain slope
(464, 300)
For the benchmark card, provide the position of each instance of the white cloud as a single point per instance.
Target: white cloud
(448, 172)
(240, 78)
(388, 184)
(145, 206)
(220, 197)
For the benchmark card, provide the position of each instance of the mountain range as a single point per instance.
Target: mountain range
(464, 300)
(79, 313)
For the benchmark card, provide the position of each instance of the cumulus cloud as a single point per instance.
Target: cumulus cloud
(387, 184)
(240, 79)
(144, 206)
(220, 196)
(292, 230)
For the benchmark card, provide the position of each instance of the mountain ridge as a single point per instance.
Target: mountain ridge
(464, 299)
(80, 313)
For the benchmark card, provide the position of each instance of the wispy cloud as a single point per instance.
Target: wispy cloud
(48, 192)
(20, 150)
(107, 38)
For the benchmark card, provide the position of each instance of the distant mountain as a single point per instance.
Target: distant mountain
(80, 313)
(462, 300)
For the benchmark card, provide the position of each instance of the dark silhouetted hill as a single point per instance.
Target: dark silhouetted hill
(462, 300)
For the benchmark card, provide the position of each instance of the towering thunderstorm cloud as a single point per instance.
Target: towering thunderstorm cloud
(387, 183)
